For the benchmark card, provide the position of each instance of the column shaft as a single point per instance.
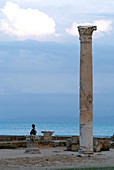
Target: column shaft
(86, 90)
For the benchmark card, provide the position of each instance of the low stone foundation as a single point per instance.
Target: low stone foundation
(99, 144)
(6, 138)
(71, 143)
(12, 144)
(8, 141)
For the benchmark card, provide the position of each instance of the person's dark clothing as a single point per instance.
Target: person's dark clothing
(33, 131)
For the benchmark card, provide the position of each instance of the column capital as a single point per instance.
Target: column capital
(85, 33)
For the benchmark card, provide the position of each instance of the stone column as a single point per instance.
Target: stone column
(86, 90)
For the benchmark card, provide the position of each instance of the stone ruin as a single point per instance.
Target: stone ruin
(47, 135)
(86, 90)
(32, 144)
(85, 144)
(99, 144)
(71, 143)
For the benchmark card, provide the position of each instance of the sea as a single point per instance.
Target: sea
(60, 128)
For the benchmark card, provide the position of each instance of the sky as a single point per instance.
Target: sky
(40, 57)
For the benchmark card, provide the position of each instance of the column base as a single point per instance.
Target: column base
(32, 144)
(32, 150)
(85, 153)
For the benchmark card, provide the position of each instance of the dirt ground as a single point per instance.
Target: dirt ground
(52, 158)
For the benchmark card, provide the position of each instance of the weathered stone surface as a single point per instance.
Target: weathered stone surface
(32, 144)
(12, 144)
(20, 141)
(97, 148)
(69, 144)
(12, 138)
(75, 147)
(105, 145)
(73, 143)
(98, 144)
(56, 143)
(86, 90)
(101, 145)
(47, 135)
(75, 139)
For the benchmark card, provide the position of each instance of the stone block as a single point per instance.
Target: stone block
(55, 144)
(105, 145)
(69, 144)
(74, 147)
(97, 148)
(75, 140)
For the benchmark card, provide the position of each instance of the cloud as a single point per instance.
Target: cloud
(103, 26)
(27, 1)
(26, 23)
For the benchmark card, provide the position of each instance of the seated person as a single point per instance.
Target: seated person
(33, 131)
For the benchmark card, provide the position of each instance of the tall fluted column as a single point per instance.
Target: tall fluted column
(86, 90)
